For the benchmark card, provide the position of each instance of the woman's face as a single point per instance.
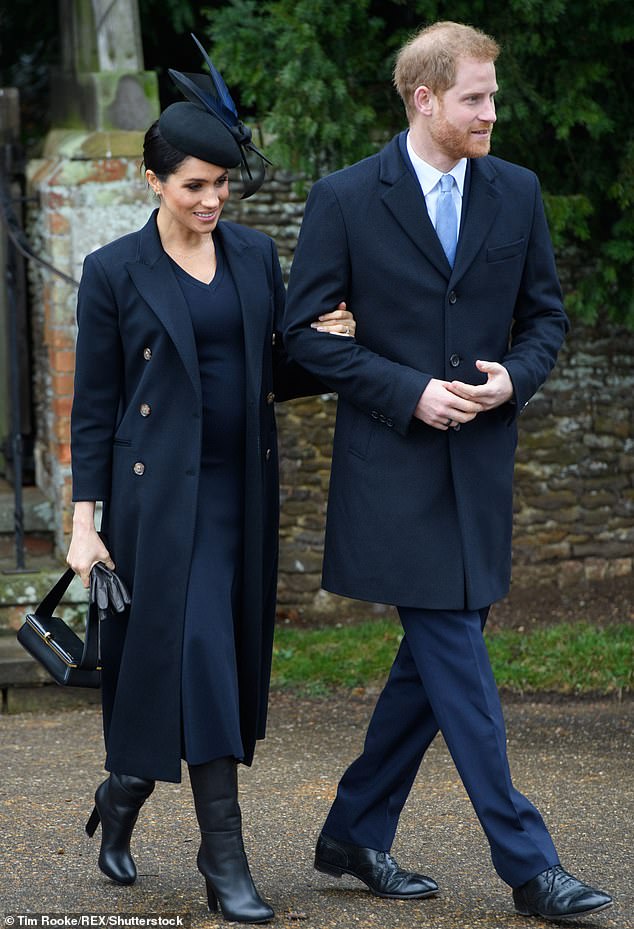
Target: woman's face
(192, 196)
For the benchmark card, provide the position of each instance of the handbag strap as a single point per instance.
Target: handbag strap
(90, 655)
(55, 594)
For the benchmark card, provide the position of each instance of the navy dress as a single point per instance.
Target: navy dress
(210, 705)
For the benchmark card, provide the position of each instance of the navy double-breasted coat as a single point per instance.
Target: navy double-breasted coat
(416, 516)
(136, 442)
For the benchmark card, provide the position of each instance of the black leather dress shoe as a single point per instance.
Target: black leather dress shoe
(377, 870)
(555, 894)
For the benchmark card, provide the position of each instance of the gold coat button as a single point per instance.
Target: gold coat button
(147, 353)
(145, 409)
(270, 397)
(139, 468)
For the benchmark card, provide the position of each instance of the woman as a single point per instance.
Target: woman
(177, 366)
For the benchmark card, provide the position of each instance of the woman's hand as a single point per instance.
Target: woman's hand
(338, 322)
(86, 547)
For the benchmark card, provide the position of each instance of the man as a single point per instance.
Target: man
(444, 254)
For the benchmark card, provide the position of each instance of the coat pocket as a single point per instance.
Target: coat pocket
(360, 436)
(503, 252)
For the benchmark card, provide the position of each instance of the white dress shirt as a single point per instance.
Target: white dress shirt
(429, 180)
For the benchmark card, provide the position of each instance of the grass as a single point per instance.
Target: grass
(574, 659)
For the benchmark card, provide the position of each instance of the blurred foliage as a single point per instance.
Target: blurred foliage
(29, 44)
(317, 75)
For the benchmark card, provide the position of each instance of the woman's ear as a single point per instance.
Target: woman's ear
(153, 182)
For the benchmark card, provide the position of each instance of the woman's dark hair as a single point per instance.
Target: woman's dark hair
(159, 156)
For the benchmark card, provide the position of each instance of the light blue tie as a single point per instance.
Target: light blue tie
(446, 218)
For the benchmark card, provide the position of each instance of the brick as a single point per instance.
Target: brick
(58, 224)
(62, 429)
(61, 339)
(62, 385)
(62, 406)
(55, 200)
(63, 361)
(67, 522)
(62, 452)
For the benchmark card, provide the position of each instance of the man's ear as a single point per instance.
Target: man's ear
(424, 100)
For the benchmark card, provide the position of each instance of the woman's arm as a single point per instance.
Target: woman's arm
(98, 377)
(86, 547)
(289, 378)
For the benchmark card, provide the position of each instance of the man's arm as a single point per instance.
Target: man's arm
(320, 278)
(539, 328)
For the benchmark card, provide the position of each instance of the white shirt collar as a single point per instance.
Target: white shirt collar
(428, 176)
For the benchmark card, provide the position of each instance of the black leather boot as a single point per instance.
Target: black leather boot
(117, 804)
(221, 858)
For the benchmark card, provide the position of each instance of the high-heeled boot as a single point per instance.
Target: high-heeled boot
(221, 859)
(117, 804)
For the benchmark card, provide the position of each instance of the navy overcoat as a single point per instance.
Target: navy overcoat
(416, 516)
(136, 444)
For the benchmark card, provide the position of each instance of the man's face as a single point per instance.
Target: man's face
(464, 115)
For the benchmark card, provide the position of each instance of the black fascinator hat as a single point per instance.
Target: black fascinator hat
(208, 127)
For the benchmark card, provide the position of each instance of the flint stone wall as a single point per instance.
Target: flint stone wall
(575, 466)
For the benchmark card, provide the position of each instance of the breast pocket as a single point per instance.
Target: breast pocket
(504, 252)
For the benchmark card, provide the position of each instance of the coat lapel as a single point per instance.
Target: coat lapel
(480, 210)
(156, 282)
(254, 290)
(404, 199)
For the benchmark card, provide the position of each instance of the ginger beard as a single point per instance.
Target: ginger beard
(473, 141)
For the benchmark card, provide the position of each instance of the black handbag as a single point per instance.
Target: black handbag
(69, 660)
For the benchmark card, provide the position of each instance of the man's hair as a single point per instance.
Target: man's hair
(431, 55)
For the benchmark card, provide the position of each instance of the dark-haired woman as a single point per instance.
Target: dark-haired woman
(178, 362)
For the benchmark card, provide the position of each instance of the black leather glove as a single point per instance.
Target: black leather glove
(107, 590)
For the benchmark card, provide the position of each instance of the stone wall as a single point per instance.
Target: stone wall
(574, 496)
(574, 489)
(575, 466)
(575, 470)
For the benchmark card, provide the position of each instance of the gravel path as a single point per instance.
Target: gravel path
(574, 759)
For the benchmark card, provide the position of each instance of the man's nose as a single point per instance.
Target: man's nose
(488, 114)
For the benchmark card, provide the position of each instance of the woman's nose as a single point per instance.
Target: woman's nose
(210, 198)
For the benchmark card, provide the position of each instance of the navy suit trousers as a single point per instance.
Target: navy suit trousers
(441, 679)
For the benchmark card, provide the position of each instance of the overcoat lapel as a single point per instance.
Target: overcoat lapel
(480, 211)
(404, 199)
(156, 282)
(249, 276)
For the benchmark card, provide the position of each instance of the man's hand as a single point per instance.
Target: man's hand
(442, 408)
(497, 390)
